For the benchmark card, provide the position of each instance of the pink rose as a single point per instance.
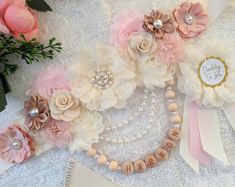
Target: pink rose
(17, 19)
(170, 48)
(124, 25)
(51, 79)
(191, 20)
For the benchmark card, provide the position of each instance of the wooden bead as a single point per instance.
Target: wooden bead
(150, 161)
(127, 168)
(174, 133)
(176, 119)
(172, 107)
(102, 159)
(170, 83)
(168, 144)
(161, 154)
(139, 166)
(91, 152)
(170, 94)
(113, 166)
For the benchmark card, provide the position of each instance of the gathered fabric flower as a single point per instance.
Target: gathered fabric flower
(64, 106)
(36, 112)
(123, 26)
(219, 72)
(86, 130)
(158, 23)
(48, 81)
(170, 48)
(57, 133)
(17, 19)
(101, 78)
(149, 70)
(191, 19)
(16, 145)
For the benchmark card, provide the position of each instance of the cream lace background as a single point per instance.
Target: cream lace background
(83, 23)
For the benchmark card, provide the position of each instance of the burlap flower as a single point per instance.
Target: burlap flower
(158, 23)
(36, 112)
(64, 106)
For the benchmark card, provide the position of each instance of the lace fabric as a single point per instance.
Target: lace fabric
(82, 23)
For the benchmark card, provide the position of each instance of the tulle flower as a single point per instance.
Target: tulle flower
(16, 145)
(149, 70)
(123, 26)
(48, 81)
(207, 74)
(57, 134)
(191, 19)
(101, 78)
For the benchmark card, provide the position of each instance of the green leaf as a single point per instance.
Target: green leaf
(39, 5)
(3, 101)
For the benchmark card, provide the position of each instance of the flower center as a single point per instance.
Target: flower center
(158, 24)
(102, 79)
(55, 129)
(189, 19)
(17, 144)
(34, 112)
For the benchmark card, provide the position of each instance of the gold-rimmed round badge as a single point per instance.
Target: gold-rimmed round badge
(212, 71)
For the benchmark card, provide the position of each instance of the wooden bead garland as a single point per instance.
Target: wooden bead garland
(152, 159)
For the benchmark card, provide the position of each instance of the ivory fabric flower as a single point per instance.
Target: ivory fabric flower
(57, 133)
(143, 54)
(64, 106)
(36, 112)
(191, 19)
(86, 130)
(123, 26)
(17, 19)
(170, 49)
(16, 145)
(48, 81)
(101, 78)
(207, 74)
(158, 23)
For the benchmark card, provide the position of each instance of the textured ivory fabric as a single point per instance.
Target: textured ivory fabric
(83, 23)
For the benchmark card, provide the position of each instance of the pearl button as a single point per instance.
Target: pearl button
(189, 19)
(34, 112)
(158, 24)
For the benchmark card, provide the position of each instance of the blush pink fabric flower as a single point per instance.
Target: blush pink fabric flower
(51, 79)
(57, 133)
(123, 26)
(191, 19)
(15, 145)
(170, 48)
(17, 19)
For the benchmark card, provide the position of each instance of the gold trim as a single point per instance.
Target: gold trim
(226, 71)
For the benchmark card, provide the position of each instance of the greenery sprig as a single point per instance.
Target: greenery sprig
(29, 51)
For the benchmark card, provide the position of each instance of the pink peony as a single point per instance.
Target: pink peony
(17, 19)
(57, 133)
(124, 25)
(53, 78)
(191, 20)
(15, 145)
(170, 48)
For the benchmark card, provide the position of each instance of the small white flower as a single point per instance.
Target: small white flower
(215, 86)
(143, 54)
(101, 78)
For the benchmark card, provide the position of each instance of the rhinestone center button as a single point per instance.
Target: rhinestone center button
(102, 79)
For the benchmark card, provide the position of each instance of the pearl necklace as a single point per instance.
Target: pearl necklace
(151, 160)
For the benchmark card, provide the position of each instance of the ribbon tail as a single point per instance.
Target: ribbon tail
(184, 142)
(229, 110)
(4, 166)
(210, 135)
(196, 148)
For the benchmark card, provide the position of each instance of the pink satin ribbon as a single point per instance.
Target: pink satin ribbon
(196, 148)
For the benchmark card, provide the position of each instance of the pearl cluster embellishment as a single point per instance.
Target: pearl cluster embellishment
(189, 19)
(151, 160)
(102, 79)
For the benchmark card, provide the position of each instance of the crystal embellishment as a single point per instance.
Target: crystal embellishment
(102, 79)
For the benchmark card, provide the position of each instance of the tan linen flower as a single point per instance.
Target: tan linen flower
(64, 106)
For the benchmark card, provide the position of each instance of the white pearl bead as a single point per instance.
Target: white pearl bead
(158, 24)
